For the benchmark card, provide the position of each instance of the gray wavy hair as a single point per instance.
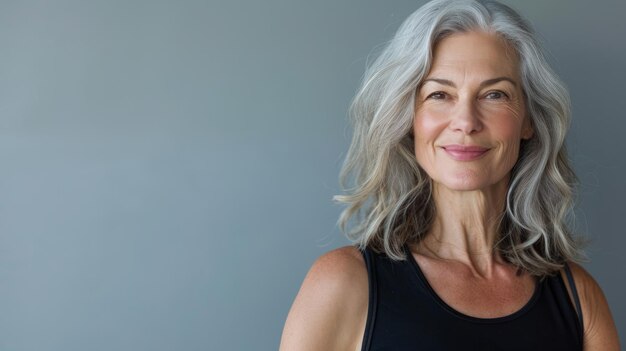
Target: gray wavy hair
(388, 195)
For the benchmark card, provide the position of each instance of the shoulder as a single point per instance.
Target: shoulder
(330, 309)
(600, 332)
(340, 274)
(339, 265)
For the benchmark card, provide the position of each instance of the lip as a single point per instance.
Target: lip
(465, 152)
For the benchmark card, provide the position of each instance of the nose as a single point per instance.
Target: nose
(465, 117)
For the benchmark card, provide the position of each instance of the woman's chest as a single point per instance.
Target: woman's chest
(500, 295)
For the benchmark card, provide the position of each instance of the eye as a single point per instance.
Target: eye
(438, 95)
(496, 95)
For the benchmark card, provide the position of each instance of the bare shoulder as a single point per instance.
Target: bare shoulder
(343, 262)
(599, 327)
(330, 309)
(337, 273)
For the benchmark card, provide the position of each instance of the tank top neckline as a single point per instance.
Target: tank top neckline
(422, 278)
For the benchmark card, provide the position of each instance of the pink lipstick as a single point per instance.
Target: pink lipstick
(465, 152)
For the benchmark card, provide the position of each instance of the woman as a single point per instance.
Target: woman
(460, 197)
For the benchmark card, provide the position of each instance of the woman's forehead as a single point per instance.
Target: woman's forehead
(476, 52)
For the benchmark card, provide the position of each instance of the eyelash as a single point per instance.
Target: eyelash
(443, 94)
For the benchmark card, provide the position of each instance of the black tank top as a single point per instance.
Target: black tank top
(405, 313)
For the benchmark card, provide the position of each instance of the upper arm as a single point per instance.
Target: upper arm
(600, 332)
(330, 309)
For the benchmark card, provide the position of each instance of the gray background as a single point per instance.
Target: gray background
(167, 166)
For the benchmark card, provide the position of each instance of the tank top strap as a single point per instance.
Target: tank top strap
(570, 280)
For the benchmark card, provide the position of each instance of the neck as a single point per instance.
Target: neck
(465, 228)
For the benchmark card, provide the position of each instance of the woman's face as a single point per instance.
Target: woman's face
(469, 113)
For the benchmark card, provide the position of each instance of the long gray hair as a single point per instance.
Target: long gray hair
(388, 195)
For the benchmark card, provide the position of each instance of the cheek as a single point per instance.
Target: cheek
(505, 122)
(509, 137)
(426, 129)
(427, 126)
(509, 133)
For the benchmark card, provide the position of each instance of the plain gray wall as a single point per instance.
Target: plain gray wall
(167, 166)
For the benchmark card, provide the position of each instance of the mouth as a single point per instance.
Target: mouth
(465, 152)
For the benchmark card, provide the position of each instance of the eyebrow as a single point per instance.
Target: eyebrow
(482, 84)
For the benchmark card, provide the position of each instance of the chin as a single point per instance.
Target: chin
(470, 181)
(464, 182)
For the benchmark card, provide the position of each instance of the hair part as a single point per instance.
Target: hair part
(388, 195)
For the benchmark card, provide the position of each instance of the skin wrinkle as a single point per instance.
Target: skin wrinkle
(470, 97)
(483, 84)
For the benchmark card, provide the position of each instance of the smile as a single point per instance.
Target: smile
(465, 152)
